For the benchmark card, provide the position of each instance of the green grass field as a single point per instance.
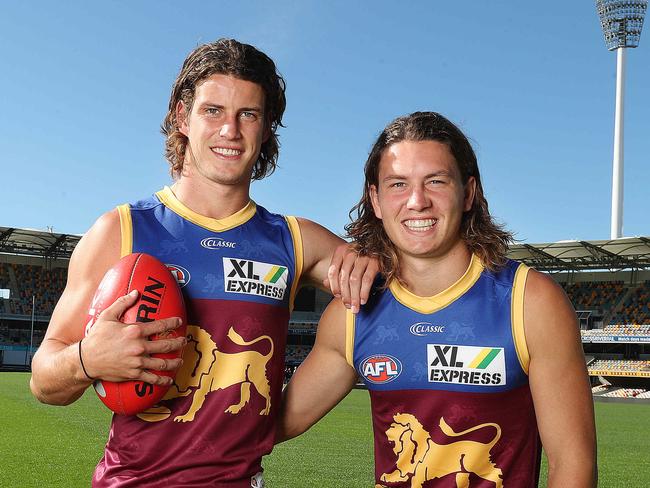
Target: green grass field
(49, 446)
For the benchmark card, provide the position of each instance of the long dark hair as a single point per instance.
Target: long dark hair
(484, 237)
(227, 57)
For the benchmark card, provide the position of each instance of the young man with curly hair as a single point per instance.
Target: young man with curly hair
(241, 267)
(473, 361)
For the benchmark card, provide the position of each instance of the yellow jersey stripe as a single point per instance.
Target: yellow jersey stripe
(126, 230)
(296, 236)
(517, 314)
(349, 337)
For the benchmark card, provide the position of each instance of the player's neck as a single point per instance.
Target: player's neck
(429, 276)
(211, 199)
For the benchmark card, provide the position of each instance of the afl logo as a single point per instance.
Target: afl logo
(181, 274)
(216, 243)
(380, 368)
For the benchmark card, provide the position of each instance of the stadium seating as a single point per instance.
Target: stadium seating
(599, 295)
(600, 389)
(27, 281)
(609, 391)
(19, 337)
(605, 297)
(624, 393)
(618, 367)
(617, 330)
(306, 326)
(636, 308)
(296, 353)
(5, 283)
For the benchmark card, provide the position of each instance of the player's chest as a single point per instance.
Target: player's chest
(454, 349)
(235, 265)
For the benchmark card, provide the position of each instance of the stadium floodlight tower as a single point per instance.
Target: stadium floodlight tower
(622, 21)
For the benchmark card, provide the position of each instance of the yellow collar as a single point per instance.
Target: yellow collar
(167, 197)
(442, 299)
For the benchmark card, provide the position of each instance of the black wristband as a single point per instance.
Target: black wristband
(82, 363)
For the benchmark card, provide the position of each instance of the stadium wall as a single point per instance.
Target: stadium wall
(33, 261)
(628, 277)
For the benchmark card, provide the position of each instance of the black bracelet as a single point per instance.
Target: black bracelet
(82, 363)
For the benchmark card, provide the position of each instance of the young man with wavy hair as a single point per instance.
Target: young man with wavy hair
(241, 267)
(473, 361)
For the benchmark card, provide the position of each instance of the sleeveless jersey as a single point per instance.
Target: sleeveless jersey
(448, 383)
(238, 276)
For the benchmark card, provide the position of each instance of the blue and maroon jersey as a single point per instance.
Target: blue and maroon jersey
(238, 276)
(448, 382)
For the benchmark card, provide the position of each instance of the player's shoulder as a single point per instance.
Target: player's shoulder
(333, 321)
(99, 248)
(505, 273)
(547, 309)
(146, 203)
(316, 236)
(267, 217)
(106, 227)
(379, 294)
(550, 322)
(335, 309)
(542, 287)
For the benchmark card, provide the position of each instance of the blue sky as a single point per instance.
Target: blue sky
(85, 86)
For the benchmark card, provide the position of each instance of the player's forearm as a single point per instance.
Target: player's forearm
(57, 375)
(297, 414)
(306, 401)
(577, 471)
(571, 446)
(287, 429)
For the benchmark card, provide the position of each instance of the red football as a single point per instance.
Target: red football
(159, 297)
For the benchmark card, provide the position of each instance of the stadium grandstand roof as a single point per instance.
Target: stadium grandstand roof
(30, 242)
(615, 254)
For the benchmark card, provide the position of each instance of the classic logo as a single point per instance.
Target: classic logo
(217, 243)
(181, 274)
(380, 368)
(255, 278)
(422, 329)
(466, 365)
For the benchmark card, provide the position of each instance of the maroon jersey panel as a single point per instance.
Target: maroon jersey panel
(436, 439)
(217, 421)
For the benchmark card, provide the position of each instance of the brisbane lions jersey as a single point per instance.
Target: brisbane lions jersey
(448, 383)
(238, 276)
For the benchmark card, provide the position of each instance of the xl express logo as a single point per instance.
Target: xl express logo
(255, 278)
(380, 368)
(466, 365)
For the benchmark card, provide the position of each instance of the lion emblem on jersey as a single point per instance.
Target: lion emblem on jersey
(206, 369)
(169, 247)
(385, 333)
(460, 331)
(421, 459)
